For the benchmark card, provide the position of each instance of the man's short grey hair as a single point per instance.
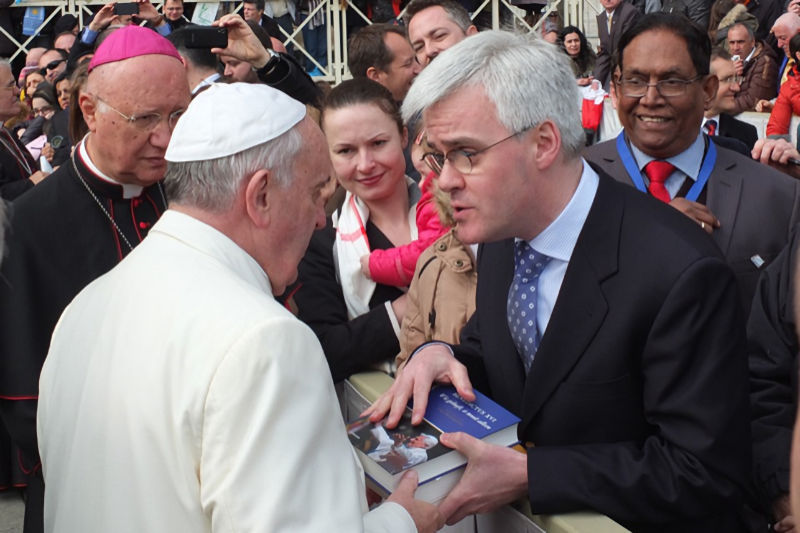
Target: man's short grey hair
(454, 10)
(748, 29)
(528, 80)
(214, 183)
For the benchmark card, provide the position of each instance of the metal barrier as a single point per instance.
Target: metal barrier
(336, 14)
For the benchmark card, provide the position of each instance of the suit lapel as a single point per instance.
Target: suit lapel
(724, 125)
(722, 198)
(581, 306)
(602, 27)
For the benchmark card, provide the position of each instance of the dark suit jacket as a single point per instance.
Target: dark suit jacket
(624, 17)
(772, 352)
(636, 401)
(729, 126)
(757, 208)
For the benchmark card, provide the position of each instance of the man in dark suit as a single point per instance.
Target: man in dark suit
(617, 17)
(718, 119)
(662, 93)
(635, 403)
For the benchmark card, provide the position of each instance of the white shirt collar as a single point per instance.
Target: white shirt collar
(715, 118)
(688, 161)
(558, 239)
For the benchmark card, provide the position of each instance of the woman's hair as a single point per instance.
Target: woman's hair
(794, 46)
(362, 91)
(46, 92)
(77, 126)
(586, 56)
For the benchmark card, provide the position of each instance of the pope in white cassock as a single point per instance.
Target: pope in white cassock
(178, 395)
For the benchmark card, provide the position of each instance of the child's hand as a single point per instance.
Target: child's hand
(365, 266)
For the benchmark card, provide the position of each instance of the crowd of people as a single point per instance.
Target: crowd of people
(202, 244)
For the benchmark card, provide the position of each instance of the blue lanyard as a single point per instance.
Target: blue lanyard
(636, 176)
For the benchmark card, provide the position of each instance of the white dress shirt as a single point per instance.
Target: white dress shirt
(558, 241)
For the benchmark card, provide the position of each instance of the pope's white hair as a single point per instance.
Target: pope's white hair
(213, 184)
(528, 80)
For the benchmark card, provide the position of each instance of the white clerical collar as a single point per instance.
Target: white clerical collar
(750, 55)
(558, 239)
(128, 190)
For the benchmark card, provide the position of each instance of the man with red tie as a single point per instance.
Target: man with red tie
(663, 89)
(719, 116)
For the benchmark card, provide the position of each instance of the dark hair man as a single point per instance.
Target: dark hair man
(173, 12)
(436, 25)
(756, 64)
(661, 99)
(381, 52)
(718, 119)
(202, 67)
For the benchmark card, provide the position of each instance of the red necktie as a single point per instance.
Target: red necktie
(658, 172)
(711, 127)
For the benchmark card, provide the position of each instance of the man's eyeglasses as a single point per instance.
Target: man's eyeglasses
(461, 160)
(637, 88)
(732, 79)
(149, 121)
(52, 65)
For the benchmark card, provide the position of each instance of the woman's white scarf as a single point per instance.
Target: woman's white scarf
(351, 244)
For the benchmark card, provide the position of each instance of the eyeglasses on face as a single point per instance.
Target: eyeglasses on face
(41, 111)
(670, 88)
(52, 65)
(732, 79)
(147, 122)
(461, 160)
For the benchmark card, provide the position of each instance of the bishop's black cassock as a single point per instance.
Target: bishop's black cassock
(16, 166)
(59, 241)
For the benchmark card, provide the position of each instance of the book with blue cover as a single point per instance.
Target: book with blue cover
(387, 453)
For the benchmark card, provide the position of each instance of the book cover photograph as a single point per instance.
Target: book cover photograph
(386, 453)
(396, 449)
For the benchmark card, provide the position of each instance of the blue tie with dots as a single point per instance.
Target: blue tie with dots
(522, 299)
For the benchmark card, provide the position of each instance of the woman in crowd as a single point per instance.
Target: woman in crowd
(32, 81)
(43, 107)
(356, 319)
(62, 90)
(574, 43)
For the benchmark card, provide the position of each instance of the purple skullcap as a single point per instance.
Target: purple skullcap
(131, 41)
